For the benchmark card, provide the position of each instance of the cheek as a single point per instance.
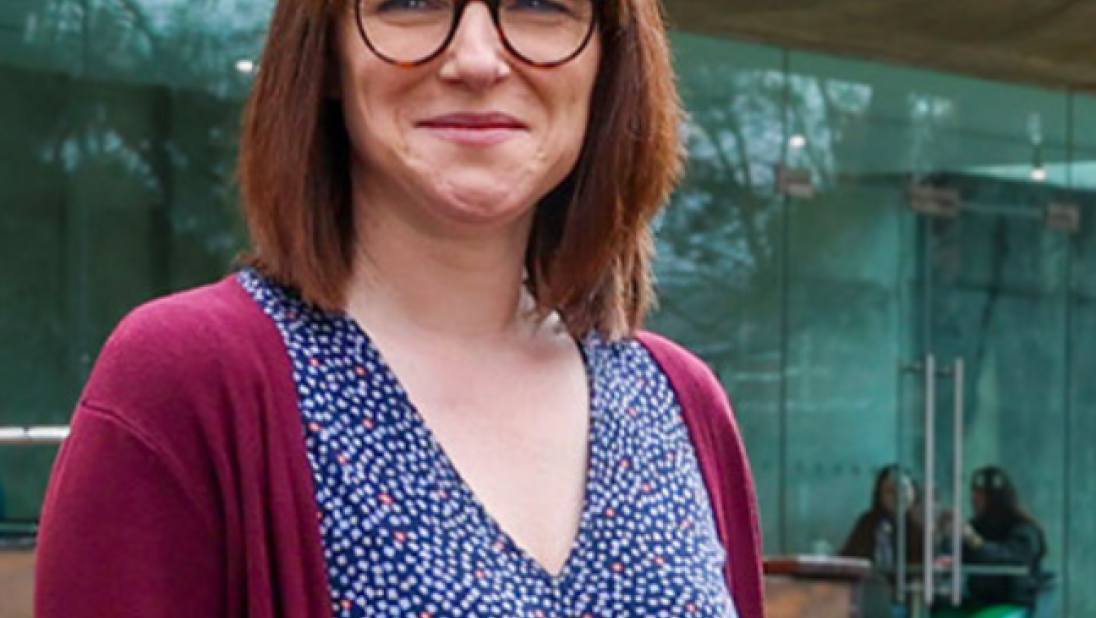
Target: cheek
(574, 110)
(372, 111)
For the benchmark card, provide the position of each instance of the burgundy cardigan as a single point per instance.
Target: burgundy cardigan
(184, 490)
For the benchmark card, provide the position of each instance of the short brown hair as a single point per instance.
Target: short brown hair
(590, 250)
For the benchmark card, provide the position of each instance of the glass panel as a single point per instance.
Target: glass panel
(842, 397)
(1013, 344)
(38, 381)
(720, 242)
(43, 35)
(845, 308)
(1084, 179)
(1083, 170)
(116, 186)
(1079, 596)
(199, 46)
(34, 323)
(994, 289)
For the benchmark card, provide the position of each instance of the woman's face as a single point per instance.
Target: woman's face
(475, 136)
(888, 494)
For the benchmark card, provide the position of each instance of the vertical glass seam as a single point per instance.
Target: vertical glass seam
(785, 69)
(1067, 375)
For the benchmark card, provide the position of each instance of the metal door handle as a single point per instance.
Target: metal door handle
(957, 488)
(930, 472)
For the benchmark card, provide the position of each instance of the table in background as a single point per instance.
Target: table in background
(815, 586)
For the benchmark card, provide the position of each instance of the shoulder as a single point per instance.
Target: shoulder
(645, 348)
(868, 520)
(180, 347)
(705, 405)
(684, 368)
(185, 330)
(861, 537)
(1028, 531)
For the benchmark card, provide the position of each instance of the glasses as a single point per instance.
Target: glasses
(543, 33)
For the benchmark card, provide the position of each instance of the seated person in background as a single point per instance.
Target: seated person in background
(875, 535)
(1001, 533)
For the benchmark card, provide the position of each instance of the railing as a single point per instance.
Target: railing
(33, 435)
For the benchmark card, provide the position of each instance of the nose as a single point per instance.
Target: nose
(476, 56)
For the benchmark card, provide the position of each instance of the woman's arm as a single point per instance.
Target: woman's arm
(121, 535)
(1021, 547)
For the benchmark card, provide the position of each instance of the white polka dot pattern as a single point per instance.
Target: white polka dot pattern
(405, 536)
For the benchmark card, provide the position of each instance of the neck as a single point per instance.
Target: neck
(413, 279)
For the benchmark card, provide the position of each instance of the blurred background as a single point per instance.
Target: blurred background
(885, 243)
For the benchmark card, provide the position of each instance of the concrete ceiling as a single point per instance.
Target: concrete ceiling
(1051, 43)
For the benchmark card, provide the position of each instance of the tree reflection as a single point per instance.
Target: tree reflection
(192, 44)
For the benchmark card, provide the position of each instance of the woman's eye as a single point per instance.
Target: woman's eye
(391, 6)
(541, 6)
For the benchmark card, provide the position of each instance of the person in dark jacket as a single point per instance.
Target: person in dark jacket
(1002, 532)
(875, 535)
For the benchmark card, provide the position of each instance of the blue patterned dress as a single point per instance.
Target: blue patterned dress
(405, 536)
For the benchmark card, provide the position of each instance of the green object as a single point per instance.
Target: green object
(996, 611)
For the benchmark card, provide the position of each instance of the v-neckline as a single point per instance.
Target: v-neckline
(496, 528)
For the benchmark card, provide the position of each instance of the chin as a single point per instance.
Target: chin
(484, 205)
(483, 217)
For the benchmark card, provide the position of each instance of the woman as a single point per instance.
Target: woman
(1002, 532)
(449, 206)
(875, 536)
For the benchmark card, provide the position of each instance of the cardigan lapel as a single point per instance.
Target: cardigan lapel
(724, 466)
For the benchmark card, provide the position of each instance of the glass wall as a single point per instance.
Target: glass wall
(819, 300)
(931, 220)
(720, 266)
(1081, 391)
(119, 124)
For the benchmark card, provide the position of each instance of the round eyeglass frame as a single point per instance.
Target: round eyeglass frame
(458, 14)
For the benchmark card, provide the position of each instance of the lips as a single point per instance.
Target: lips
(472, 121)
(475, 130)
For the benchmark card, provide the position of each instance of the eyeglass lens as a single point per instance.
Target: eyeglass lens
(538, 31)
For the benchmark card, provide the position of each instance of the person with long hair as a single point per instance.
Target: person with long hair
(1002, 532)
(427, 392)
(876, 533)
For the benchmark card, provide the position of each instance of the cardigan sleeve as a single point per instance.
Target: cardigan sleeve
(184, 489)
(120, 534)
